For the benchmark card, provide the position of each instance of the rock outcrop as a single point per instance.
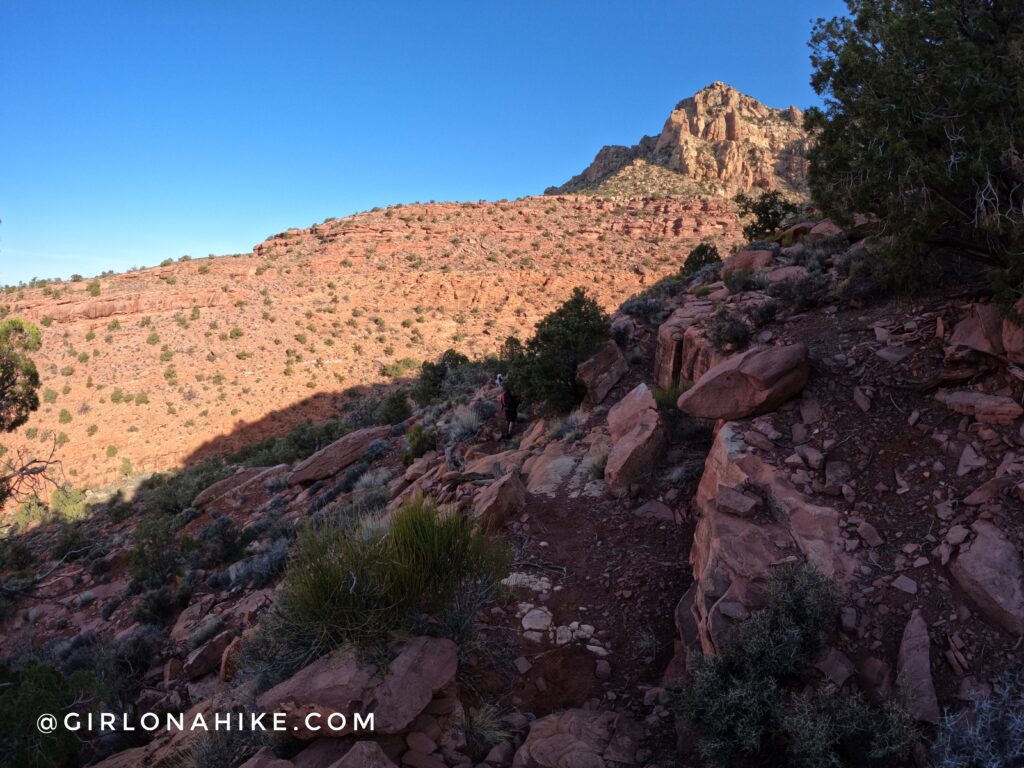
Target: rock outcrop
(602, 371)
(337, 456)
(719, 141)
(732, 554)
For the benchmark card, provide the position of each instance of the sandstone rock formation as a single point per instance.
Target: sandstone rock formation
(720, 141)
(751, 382)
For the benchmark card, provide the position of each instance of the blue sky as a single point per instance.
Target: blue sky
(140, 130)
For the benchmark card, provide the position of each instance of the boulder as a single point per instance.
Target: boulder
(785, 274)
(496, 503)
(638, 438)
(823, 230)
(266, 758)
(914, 672)
(991, 573)
(340, 682)
(546, 471)
(748, 260)
(636, 452)
(988, 409)
(579, 738)
(602, 371)
(1013, 336)
(981, 330)
(225, 486)
(337, 456)
(207, 657)
(623, 416)
(756, 381)
(365, 754)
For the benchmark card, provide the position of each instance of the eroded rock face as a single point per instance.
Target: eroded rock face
(991, 573)
(720, 140)
(337, 456)
(756, 381)
(683, 353)
(602, 371)
(732, 555)
(579, 739)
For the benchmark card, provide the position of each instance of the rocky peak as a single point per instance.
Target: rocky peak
(718, 141)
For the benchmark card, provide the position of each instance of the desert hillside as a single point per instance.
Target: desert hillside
(143, 370)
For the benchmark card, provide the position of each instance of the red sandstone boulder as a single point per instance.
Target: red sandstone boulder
(981, 330)
(337, 456)
(500, 501)
(602, 371)
(747, 261)
(340, 682)
(638, 438)
(991, 573)
(756, 381)
(579, 738)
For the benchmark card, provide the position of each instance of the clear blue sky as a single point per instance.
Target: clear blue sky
(139, 130)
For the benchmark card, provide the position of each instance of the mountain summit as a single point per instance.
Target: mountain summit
(718, 142)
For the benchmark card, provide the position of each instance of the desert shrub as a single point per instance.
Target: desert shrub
(301, 441)
(703, 256)
(646, 309)
(865, 276)
(19, 379)
(359, 586)
(219, 542)
(418, 442)
(465, 424)
(15, 555)
(156, 606)
(729, 330)
(769, 210)
(168, 493)
(430, 385)
(740, 280)
(546, 371)
(802, 293)
(666, 397)
(30, 690)
(748, 706)
(155, 555)
(762, 313)
(394, 409)
(68, 503)
(72, 542)
(399, 367)
(224, 748)
(919, 127)
(484, 727)
(988, 734)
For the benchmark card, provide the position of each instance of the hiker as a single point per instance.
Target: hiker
(510, 405)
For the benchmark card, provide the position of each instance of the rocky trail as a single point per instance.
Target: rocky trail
(750, 419)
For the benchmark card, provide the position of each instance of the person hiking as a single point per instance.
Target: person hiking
(510, 405)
